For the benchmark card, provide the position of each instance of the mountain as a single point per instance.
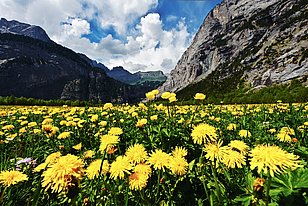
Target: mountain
(152, 79)
(15, 27)
(33, 66)
(245, 43)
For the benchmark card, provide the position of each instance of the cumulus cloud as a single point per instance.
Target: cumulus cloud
(77, 27)
(141, 42)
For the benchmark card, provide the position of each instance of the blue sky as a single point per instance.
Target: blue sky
(140, 35)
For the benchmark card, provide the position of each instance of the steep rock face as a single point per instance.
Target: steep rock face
(261, 42)
(15, 27)
(46, 70)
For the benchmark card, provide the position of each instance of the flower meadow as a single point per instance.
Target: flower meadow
(154, 154)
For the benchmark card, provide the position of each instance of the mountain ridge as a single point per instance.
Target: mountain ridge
(36, 68)
(258, 43)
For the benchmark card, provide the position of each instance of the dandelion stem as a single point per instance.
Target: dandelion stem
(158, 184)
(216, 182)
(2, 195)
(268, 190)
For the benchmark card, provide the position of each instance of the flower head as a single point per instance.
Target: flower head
(272, 159)
(64, 135)
(166, 95)
(178, 165)
(8, 178)
(204, 133)
(240, 146)
(93, 169)
(136, 153)
(107, 142)
(199, 96)
(179, 152)
(244, 133)
(233, 159)
(137, 181)
(62, 175)
(88, 154)
(150, 95)
(115, 131)
(119, 167)
(215, 151)
(141, 122)
(231, 127)
(159, 159)
(143, 168)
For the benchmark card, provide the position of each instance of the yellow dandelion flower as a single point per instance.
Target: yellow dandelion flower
(50, 130)
(77, 146)
(172, 99)
(231, 127)
(108, 106)
(284, 137)
(233, 159)
(107, 142)
(37, 131)
(150, 95)
(94, 118)
(40, 167)
(287, 130)
(32, 124)
(102, 123)
(159, 159)
(143, 168)
(88, 154)
(62, 175)
(115, 131)
(179, 152)
(47, 121)
(204, 133)
(136, 153)
(8, 178)
(119, 167)
(141, 122)
(63, 122)
(215, 151)
(244, 133)
(178, 165)
(155, 91)
(272, 131)
(23, 123)
(272, 159)
(8, 127)
(64, 135)
(93, 169)
(199, 96)
(239, 145)
(166, 95)
(52, 158)
(154, 117)
(137, 181)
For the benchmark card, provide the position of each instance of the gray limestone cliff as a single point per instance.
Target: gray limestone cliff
(260, 42)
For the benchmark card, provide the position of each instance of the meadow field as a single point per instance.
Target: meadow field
(154, 154)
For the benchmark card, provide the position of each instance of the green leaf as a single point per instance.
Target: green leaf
(245, 199)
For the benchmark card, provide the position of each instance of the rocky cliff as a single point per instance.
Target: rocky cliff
(40, 69)
(257, 42)
(15, 27)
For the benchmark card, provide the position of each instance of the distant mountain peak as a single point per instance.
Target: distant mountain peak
(16, 27)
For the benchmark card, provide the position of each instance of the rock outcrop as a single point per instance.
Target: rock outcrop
(260, 42)
(15, 27)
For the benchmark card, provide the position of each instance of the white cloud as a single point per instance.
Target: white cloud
(158, 49)
(120, 13)
(147, 46)
(76, 28)
(171, 18)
